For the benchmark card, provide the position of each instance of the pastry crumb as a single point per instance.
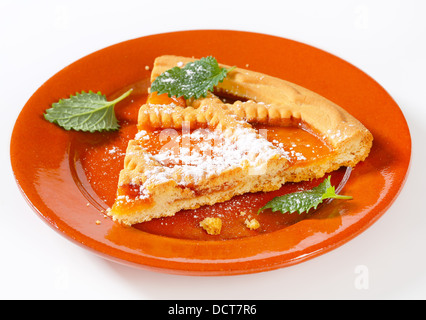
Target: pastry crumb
(252, 224)
(146, 67)
(98, 222)
(212, 226)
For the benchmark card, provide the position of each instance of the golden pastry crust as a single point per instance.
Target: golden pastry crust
(252, 224)
(205, 112)
(212, 226)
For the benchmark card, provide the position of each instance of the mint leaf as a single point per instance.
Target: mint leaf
(304, 200)
(195, 79)
(86, 111)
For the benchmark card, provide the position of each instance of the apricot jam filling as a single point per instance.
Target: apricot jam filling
(299, 142)
(134, 196)
(177, 147)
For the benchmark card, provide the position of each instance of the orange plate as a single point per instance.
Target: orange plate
(48, 167)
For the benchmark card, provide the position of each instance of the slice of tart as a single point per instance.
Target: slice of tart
(184, 158)
(199, 152)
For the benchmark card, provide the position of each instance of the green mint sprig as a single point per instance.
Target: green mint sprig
(304, 200)
(86, 111)
(195, 79)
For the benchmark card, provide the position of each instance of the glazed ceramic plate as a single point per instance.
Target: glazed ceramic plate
(69, 178)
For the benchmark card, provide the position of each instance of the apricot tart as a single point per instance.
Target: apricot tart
(196, 152)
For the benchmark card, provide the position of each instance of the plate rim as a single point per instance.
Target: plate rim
(272, 264)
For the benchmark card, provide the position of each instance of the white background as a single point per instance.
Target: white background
(385, 39)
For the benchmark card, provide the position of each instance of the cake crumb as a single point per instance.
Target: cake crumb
(252, 224)
(98, 222)
(212, 226)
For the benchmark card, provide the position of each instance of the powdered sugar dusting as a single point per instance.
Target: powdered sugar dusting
(194, 155)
